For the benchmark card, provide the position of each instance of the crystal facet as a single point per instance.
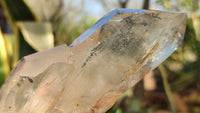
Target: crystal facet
(97, 68)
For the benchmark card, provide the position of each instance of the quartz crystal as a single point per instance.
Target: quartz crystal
(97, 68)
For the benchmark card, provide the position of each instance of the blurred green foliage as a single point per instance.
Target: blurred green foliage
(67, 32)
(190, 5)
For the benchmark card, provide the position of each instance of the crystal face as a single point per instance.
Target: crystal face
(97, 68)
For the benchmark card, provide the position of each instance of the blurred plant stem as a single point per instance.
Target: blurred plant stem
(4, 65)
(15, 32)
(168, 92)
(196, 25)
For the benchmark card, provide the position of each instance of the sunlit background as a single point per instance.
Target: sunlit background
(28, 26)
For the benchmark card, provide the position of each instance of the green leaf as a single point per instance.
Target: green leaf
(38, 35)
(135, 105)
(17, 10)
(119, 110)
(45, 10)
(9, 44)
(4, 65)
(24, 47)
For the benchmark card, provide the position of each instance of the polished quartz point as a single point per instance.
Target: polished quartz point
(97, 68)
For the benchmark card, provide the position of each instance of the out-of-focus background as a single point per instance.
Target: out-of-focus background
(28, 26)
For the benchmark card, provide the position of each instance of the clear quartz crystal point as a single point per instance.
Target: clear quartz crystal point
(97, 68)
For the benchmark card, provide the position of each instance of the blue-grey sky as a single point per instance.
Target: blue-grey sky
(95, 8)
